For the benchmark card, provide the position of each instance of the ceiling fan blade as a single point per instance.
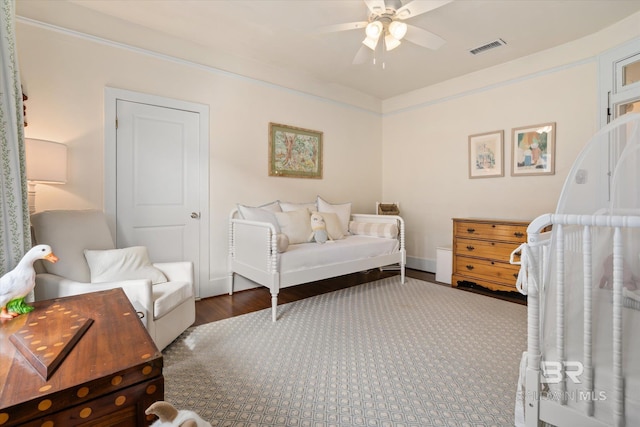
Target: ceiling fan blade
(424, 38)
(376, 6)
(342, 27)
(417, 7)
(362, 56)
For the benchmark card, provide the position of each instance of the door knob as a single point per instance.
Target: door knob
(195, 215)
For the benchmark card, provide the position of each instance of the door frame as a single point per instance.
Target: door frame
(608, 93)
(111, 96)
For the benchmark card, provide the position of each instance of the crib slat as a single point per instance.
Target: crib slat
(587, 316)
(618, 382)
(560, 308)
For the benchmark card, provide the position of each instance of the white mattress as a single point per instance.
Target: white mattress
(308, 255)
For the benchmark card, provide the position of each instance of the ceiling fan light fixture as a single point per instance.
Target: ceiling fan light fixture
(391, 42)
(371, 42)
(374, 29)
(398, 30)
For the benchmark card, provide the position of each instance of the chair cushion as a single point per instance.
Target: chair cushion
(69, 233)
(113, 265)
(169, 295)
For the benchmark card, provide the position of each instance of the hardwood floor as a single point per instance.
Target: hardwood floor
(225, 306)
(242, 302)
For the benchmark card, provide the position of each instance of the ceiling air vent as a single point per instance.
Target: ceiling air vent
(488, 46)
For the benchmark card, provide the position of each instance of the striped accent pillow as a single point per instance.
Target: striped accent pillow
(375, 229)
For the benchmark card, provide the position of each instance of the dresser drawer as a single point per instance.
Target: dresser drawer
(501, 272)
(491, 231)
(499, 251)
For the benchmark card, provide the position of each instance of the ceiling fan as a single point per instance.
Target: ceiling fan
(386, 21)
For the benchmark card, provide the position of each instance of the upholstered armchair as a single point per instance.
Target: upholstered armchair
(88, 261)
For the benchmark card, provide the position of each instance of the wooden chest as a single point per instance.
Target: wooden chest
(481, 250)
(108, 378)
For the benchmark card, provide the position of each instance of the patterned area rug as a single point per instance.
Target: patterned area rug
(377, 354)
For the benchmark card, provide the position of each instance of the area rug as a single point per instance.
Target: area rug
(377, 354)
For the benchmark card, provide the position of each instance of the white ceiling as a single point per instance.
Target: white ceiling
(268, 38)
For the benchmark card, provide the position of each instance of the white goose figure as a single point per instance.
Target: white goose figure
(21, 280)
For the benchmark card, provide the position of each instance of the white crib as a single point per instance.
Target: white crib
(582, 278)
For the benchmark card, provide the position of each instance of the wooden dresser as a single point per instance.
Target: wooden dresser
(481, 250)
(111, 375)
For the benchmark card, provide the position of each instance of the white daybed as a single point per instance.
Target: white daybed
(253, 252)
(582, 365)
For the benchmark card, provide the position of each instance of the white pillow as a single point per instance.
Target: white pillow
(343, 211)
(288, 207)
(263, 213)
(334, 228)
(376, 229)
(295, 224)
(113, 265)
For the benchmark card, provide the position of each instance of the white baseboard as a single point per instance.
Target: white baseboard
(422, 264)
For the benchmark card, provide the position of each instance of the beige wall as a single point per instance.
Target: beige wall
(65, 76)
(416, 152)
(425, 138)
(433, 184)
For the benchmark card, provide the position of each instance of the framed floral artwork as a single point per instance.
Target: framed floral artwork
(533, 150)
(486, 158)
(294, 152)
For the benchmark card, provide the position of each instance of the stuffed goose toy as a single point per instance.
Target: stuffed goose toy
(171, 417)
(17, 283)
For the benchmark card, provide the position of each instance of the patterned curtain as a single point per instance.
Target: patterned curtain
(15, 235)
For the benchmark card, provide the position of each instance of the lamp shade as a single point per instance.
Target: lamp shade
(374, 29)
(46, 161)
(391, 42)
(398, 29)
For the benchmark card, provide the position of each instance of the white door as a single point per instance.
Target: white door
(157, 181)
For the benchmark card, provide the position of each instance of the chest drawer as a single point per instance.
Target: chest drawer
(481, 252)
(491, 231)
(486, 249)
(500, 272)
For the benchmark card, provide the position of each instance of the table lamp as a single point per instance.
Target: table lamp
(46, 164)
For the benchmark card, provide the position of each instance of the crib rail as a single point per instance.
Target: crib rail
(534, 280)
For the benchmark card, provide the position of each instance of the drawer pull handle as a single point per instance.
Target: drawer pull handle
(470, 248)
(518, 234)
(469, 267)
(471, 230)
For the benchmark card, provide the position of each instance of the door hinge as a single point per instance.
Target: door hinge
(116, 123)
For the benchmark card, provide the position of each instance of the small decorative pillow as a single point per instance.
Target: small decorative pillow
(264, 213)
(334, 228)
(295, 224)
(282, 242)
(375, 229)
(343, 211)
(113, 265)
